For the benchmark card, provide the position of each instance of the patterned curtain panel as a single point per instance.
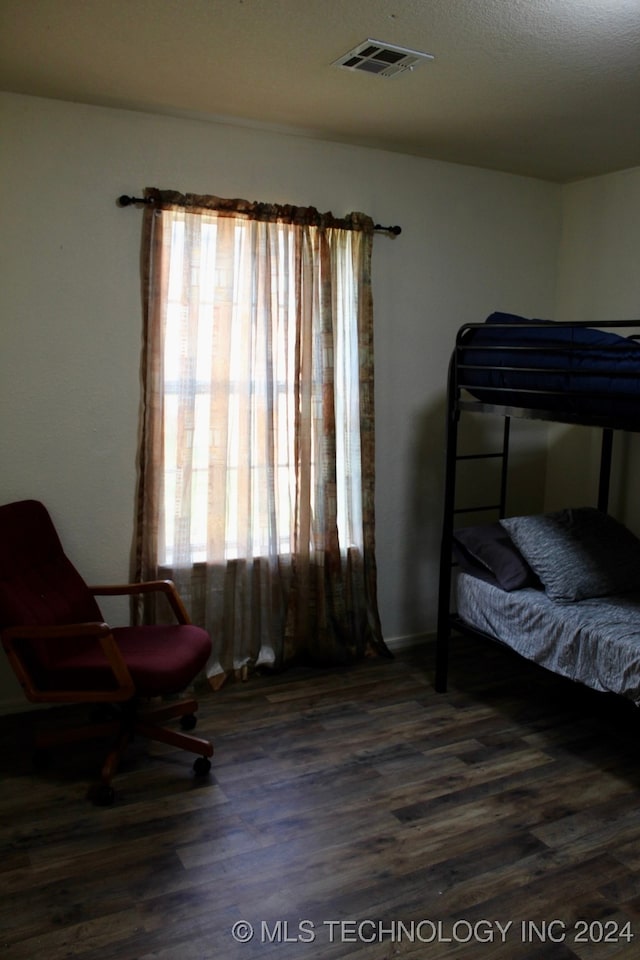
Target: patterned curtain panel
(256, 485)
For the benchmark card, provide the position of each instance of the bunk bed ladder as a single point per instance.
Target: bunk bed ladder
(605, 469)
(450, 511)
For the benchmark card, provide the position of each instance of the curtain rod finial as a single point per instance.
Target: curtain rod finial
(126, 201)
(394, 231)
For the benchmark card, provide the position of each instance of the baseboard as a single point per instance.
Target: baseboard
(19, 705)
(409, 641)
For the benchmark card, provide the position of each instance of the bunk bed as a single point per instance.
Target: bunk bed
(562, 588)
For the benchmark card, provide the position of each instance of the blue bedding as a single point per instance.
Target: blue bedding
(542, 365)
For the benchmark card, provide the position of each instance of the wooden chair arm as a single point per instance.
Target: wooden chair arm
(13, 637)
(167, 587)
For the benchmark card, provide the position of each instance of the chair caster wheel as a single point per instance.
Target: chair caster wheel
(188, 721)
(102, 795)
(202, 766)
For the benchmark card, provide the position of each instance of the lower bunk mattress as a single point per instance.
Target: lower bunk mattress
(595, 642)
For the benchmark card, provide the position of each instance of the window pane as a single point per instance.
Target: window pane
(231, 404)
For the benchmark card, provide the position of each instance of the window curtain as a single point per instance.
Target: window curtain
(256, 463)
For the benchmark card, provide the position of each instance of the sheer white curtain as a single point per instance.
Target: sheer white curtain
(258, 330)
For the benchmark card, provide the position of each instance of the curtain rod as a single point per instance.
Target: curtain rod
(127, 201)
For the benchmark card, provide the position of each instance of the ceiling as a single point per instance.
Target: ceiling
(543, 88)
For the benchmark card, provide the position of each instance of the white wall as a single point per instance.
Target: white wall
(598, 279)
(472, 241)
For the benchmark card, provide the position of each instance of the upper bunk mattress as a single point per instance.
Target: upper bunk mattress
(537, 364)
(595, 642)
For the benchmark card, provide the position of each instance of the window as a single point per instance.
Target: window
(231, 394)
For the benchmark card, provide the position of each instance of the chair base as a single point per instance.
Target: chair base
(127, 723)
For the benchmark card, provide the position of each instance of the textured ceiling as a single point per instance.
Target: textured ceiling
(545, 88)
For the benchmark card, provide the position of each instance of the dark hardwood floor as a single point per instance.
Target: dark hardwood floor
(350, 813)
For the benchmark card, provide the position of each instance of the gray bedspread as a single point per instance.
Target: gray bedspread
(595, 642)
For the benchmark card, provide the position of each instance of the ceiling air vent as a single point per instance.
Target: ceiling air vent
(382, 59)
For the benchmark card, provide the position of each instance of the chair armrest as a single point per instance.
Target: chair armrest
(167, 587)
(14, 637)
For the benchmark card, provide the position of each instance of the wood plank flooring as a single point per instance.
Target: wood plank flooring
(350, 813)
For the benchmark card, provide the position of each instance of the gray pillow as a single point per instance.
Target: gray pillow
(578, 553)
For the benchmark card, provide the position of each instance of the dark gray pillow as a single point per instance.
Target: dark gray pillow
(578, 553)
(487, 551)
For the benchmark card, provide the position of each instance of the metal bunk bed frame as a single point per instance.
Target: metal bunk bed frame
(459, 401)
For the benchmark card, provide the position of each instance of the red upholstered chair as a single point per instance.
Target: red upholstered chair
(62, 651)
